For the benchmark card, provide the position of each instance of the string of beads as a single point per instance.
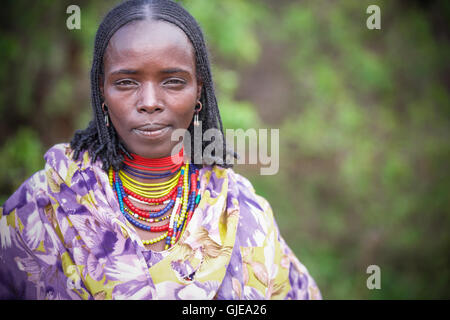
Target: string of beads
(179, 194)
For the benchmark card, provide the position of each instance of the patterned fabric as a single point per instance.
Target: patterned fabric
(63, 237)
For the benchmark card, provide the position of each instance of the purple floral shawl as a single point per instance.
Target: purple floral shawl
(62, 236)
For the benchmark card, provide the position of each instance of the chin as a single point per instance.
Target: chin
(154, 151)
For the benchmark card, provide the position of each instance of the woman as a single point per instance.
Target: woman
(122, 212)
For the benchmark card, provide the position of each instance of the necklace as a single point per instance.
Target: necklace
(180, 193)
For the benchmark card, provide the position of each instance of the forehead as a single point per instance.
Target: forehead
(149, 41)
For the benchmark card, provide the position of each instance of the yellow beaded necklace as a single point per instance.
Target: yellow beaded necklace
(149, 190)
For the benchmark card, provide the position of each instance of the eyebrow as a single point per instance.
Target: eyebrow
(123, 71)
(174, 70)
(165, 71)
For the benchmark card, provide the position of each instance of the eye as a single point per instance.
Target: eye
(175, 82)
(124, 83)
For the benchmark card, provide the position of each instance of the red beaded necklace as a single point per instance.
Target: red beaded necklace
(170, 163)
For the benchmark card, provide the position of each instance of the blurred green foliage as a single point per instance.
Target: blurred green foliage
(363, 118)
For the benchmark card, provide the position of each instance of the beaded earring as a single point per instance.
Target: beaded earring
(198, 107)
(105, 112)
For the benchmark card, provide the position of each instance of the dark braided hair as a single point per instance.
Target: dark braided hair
(102, 141)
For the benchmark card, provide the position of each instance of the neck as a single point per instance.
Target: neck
(153, 169)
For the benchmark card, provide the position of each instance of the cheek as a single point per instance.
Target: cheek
(119, 117)
(117, 113)
(118, 105)
(182, 109)
(187, 117)
(113, 96)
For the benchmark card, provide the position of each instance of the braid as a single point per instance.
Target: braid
(102, 142)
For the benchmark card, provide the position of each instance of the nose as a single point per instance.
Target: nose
(149, 99)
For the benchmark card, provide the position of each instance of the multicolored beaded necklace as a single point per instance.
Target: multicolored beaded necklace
(180, 193)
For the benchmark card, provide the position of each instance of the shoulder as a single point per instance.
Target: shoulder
(30, 210)
(27, 194)
(61, 156)
(247, 195)
(237, 186)
(233, 179)
(234, 184)
(256, 219)
(25, 215)
(34, 193)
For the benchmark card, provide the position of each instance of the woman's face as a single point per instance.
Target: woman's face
(150, 85)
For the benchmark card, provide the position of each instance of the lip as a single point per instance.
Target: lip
(152, 130)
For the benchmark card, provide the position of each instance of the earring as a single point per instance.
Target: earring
(198, 107)
(105, 112)
(196, 122)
